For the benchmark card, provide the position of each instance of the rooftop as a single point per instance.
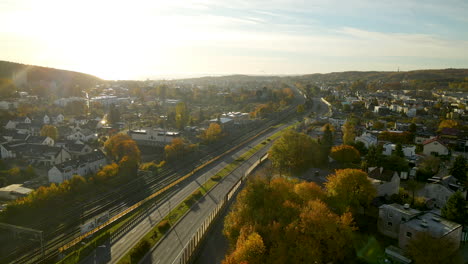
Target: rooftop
(436, 225)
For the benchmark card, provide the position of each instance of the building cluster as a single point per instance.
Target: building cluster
(69, 154)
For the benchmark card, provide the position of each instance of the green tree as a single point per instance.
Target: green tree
(181, 115)
(350, 189)
(7, 88)
(459, 168)
(294, 152)
(425, 249)
(374, 156)
(345, 154)
(399, 151)
(49, 131)
(114, 114)
(349, 133)
(456, 209)
(300, 108)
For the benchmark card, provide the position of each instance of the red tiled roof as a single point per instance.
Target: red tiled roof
(432, 140)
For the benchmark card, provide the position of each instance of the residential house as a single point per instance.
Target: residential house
(41, 140)
(419, 139)
(59, 119)
(14, 191)
(46, 119)
(84, 165)
(439, 190)
(435, 146)
(77, 150)
(83, 135)
(386, 182)
(391, 216)
(408, 151)
(433, 224)
(368, 139)
(404, 223)
(6, 151)
(41, 154)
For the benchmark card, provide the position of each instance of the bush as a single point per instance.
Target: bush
(216, 177)
(163, 226)
(140, 250)
(193, 198)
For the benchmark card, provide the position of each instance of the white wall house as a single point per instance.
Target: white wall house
(87, 164)
(368, 139)
(46, 119)
(6, 152)
(59, 119)
(83, 135)
(408, 151)
(152, 136)
(435, 147)
(41, 140)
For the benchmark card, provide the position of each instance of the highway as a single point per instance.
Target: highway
(171, 245)
(125, 242)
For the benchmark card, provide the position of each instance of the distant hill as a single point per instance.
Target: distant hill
(28, 75)
(439, 76)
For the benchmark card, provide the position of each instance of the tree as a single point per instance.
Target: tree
(294, 225)
(249, 249)
(399, 151)
(412, 128)
(395, 163)
(7, 88)
(300, 109)
(448, 123)
(425, 249)
(49, 131)
(378, 125)
(327, 138)
(294, 152)
(178, 149)
(350, 188)
(114, 114)
(459, 168)
(181, 115)
(212, 133)
(374, 156)
(345, 154)
(456, 209)
(349, 133)
(121, 145)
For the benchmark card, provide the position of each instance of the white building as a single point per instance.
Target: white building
(153, 136)
(84, 165)
(435, 147)
(83, 135)
(14, 191)
(408, 151)
(368, 139)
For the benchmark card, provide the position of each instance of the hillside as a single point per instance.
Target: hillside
(26, 76)
(442, 76)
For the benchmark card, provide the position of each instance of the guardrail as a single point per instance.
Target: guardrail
(193, 245)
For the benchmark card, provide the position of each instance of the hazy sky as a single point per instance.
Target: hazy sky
(143, 39)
